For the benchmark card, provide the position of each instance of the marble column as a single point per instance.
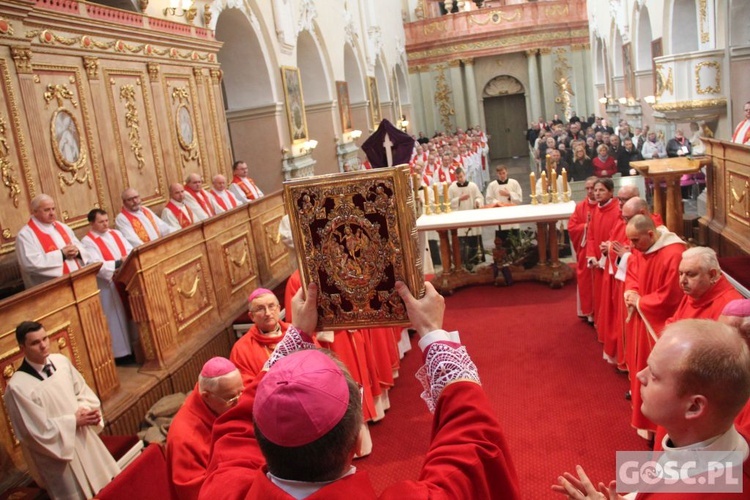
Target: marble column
(534, 91)
(472, 103)
(426, 82)
(418, 111)
(547, 85)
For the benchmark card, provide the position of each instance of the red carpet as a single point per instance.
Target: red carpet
(559, 403)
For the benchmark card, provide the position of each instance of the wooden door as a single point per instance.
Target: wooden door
(506, 125)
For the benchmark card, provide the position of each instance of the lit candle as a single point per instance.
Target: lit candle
(544, 182)
(435, 191)
(532, 178)
(565, 180)
(553, 180)
(445, 192)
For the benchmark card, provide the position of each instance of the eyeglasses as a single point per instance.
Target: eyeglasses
(229, 402)
(262, 309)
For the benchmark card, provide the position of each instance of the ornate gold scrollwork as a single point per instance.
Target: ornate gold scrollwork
(709, 89)
(127, 93)
(153, 71)
(22, 58)
(703, 9)
(562, 80)
(664, 81)
(92, 67)
(184, 126)
(5, 27)
(443, 98)
(189, 294)
(68, 148)
(7, 234)
(8, 372)
(62, 342)
(494, 17)
(6, 168)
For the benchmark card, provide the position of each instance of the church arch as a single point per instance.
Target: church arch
(315, 81)
(504, 103)
(599, 62)
(740, 27)
(643, 40)
(684, 27)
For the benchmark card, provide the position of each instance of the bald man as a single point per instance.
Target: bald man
(138, 223)
(45, 248)
(176, 214)
(222, 199)
(189, 440)
(196, 198)
(652, 294)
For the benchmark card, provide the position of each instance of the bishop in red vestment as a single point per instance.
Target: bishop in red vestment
(467, 458)
(251, 351)
(652, 294)
(189, 440)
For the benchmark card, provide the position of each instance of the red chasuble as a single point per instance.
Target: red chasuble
(184, 220)
(709, 306)
(202, 199)
(602, 220)
(251, 352)
(468, 456)
(578, 226)
(656, 280)
(611, 324)
(189, 446)
(138, 228)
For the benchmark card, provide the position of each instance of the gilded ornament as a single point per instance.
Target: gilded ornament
(62, 343)
(207, 15)
(563, 82)
(494, 17)
(556, 11)
(692, 104)
(703, 10)
(216, 76)
(710, 89)
(443, 98)
(5, 27)
(91, 64)
(184, 126)
(128, 94)
(10, 180)
(7, 234)
(664, 81)
(22, 58)
(153, 71)
(198, 73)
(8, 371)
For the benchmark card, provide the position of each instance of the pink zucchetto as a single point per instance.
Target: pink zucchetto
(301, 398)
(216, 367)
(738, 307)
(257, 293)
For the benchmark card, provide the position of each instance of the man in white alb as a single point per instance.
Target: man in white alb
(465, 195)
(57, 417)
(742, 131)
(109, 247)
(196, 198)
(222, 199)
(137, 223)
(176, 214)
(45, 248)
(243, 187)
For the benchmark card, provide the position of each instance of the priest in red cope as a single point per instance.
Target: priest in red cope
(222, 199)
(652, 294)
(176, 214)
(578, 227)
(252, 351)
(45, 248)
(109, 247)
(189, 440)
(309, 451)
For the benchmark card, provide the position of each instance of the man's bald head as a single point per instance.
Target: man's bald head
(641, 232)
(634, 206)
(627, 193)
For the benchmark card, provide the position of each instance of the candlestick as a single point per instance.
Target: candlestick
(553, 181)
(532, 178)
(437, 196)
(565, 180)
(544, 182)
(446, 200)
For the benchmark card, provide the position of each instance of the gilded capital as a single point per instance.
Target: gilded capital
(545, 50)
(531, 52)
(468, 61)
(455, 63)
(198, 73)
(22, 57)
(216, 76)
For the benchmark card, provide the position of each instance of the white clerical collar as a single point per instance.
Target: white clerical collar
(177, 203)
(101, 235)
(728, 442)
(303, 489)
(43, 224)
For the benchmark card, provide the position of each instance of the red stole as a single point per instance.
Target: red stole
(48, 243)
(138, 228)
(202, 199)
(184, 220)
(221, 202)
(104, 249)
(248, 192)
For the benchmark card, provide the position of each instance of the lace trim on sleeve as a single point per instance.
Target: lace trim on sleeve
(443, 365)
(292, 342)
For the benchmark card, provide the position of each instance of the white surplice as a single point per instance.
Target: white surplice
(69, 461)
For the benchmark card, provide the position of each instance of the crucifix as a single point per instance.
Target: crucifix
(387, 144)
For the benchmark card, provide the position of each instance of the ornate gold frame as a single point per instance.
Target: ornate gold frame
(372, 93)
(295, 103)
(355, 235)
(345, 110)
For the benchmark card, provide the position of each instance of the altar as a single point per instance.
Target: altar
(545, 216)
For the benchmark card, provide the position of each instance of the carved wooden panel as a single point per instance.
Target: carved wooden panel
(70, 140)
(17, 187)
(272, 255)
(136, 138)
(738, 196)
(189, 291)
(238, 261)
(185, 122)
